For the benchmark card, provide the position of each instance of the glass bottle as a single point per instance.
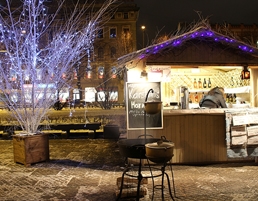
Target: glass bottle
(234, 98)
(203, 95)
(204, 83)
(227, 98)
(190, 98)
(200, 83)
(209, 83)
(196, 98)
(230, 98)
(195, 83)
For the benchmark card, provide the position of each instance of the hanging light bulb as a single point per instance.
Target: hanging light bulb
(245, 74)
(144, 74)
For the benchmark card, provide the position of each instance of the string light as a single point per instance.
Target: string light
(29, 47)
(200, 34)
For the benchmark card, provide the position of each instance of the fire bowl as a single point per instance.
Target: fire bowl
(159, 152)
(152, 107)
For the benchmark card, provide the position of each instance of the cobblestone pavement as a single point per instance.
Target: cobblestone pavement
(87, 170)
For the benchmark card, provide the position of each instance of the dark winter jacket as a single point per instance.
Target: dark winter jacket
(213, 101)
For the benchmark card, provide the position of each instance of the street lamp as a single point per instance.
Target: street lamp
(143, 29)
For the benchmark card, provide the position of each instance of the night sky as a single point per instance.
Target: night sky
(163, 16)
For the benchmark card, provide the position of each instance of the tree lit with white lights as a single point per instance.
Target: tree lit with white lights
(39, 50)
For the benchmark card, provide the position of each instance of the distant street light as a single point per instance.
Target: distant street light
(143, 29)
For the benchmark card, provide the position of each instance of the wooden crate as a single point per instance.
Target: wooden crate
(31, 149)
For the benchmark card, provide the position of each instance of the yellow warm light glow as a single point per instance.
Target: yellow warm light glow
(195, 70)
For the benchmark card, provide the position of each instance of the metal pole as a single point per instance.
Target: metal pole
(143, 29)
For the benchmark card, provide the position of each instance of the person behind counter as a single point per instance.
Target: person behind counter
(214, 99)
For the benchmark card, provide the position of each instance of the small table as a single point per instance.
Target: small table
(139, 176)
(162, 168)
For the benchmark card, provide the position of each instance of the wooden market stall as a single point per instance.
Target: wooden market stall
(199, 134)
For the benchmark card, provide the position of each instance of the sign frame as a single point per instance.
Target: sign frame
(136, 93)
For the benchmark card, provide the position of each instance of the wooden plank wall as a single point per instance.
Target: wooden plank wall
(198, 138)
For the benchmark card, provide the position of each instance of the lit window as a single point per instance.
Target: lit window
(90, 94)
(76, 94)
(112, 32)
(113, 94)
(101, 95)
(64, 95)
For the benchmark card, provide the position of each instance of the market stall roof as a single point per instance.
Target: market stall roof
(200, 36)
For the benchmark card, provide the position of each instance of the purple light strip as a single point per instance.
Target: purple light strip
(199, 33)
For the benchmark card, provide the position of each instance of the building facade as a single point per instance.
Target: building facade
(99, 72)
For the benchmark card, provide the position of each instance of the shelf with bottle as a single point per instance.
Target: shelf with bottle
(237, 90)
(237, 101)
(238, 97)
(195, 97)
(202, 83)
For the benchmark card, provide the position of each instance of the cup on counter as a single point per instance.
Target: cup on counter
(174, 105)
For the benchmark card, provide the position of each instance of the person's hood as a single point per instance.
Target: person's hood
(217, 91)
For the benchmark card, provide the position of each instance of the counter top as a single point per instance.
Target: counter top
(192, 111)
(215, 111)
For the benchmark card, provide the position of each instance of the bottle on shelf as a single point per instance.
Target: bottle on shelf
(209, 83)
(195, 83)
(204, 83)
(196, 98)
(200, 83)
(230, 98)
(203, 95)
(190, 98)
(234, 98)
(227, 98)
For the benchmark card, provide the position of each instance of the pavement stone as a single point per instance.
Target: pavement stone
(87, 170)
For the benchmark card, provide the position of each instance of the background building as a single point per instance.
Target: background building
(99, 72)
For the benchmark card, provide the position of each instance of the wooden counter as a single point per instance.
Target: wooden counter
(199, 135)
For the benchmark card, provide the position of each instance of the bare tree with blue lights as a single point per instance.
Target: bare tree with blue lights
(39, 49)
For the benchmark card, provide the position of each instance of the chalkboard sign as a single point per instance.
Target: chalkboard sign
(135, 97)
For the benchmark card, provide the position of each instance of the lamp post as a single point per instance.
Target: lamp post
(143, 29)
